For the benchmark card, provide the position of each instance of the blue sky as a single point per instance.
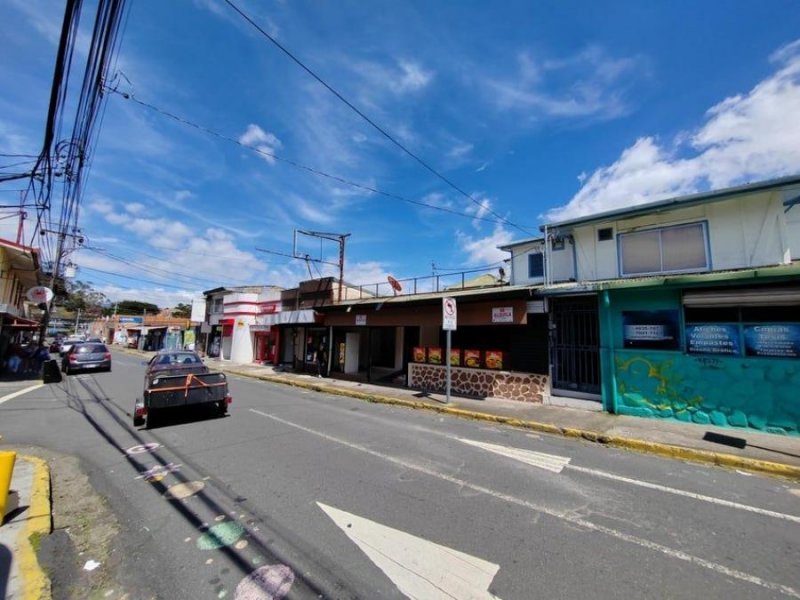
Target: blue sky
(540, 111)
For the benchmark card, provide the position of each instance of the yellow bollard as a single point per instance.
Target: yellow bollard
(7, 460)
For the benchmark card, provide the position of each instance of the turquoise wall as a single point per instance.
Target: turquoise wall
(758, 393)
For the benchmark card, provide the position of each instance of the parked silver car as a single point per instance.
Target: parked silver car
(85, 356)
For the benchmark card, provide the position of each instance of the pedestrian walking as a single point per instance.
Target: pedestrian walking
(322, 361)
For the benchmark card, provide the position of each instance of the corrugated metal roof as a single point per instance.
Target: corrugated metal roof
(678, 202)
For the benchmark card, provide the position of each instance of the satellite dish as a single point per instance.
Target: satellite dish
(395, 284)
(39, 294)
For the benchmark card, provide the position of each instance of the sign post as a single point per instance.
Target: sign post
(449, 318)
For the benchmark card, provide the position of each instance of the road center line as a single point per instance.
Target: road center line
(677, 492)
(20, 392)
(564, 516)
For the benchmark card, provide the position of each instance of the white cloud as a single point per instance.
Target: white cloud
(481, 207)
(263, 141)
(159, 296)
(460, 150)
(135, 208)
(182, 195)
(744, 138)
(588, 84)
(100, 205)
(315, 214)
(412, 77)
(483, 251)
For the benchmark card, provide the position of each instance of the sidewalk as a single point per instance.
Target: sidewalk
(27, 518)
(736, 448)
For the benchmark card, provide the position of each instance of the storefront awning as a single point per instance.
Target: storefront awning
(21, 323)
(292, 317)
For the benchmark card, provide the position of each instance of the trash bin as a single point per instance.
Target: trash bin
(51, 373)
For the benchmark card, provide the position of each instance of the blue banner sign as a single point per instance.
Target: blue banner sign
(718, 338)
(128, 320)
(778, 340)
(651, 329)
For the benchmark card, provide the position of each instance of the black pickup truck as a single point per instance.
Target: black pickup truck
(176, 380)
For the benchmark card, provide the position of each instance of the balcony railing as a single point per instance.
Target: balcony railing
(442, 282)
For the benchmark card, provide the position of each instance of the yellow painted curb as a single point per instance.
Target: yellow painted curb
(35, 583)
(656, 448)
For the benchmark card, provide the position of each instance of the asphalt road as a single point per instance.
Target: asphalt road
(299, 494)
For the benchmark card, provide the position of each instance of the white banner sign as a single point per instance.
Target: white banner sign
(503, 314)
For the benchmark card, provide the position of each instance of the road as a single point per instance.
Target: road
(300, 494)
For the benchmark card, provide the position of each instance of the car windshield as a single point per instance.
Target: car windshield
(91, 349)
(177, 359)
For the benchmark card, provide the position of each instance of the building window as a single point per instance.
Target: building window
(535, 265)
(664, 250)
(216, 307)
(605, 234)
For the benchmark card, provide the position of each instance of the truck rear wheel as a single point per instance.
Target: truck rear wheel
(151, 418)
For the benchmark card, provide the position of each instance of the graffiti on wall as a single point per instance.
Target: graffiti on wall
(735, 392)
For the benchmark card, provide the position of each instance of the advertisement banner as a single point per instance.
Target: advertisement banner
(472, 358)
(651, 329)
(494, 359)
(719, 338)
(435, 355)
(455, 357)
(420, 354)
(777, 340)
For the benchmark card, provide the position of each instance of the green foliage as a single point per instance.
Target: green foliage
(82, 296)
(135, 307)
(182, 310)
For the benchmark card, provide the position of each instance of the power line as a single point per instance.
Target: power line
(157, 283)
(300, 166)
(377, 127)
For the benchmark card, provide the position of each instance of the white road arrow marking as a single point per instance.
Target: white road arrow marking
(420, 569)
(556, 464)
(550, 462)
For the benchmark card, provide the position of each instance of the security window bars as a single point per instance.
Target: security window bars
(666, 250)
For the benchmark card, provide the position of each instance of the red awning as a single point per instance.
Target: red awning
(22, 323)
(224, 322)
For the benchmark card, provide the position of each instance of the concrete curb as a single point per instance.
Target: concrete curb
(633, 444)
(35, 583)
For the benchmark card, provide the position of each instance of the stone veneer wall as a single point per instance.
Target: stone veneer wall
(483, 383)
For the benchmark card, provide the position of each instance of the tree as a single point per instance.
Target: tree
(81, 296)
(182, 310)
(136, 307)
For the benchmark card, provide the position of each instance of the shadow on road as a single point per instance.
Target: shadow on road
(310, 576)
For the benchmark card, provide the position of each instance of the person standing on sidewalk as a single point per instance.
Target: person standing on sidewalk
(322, 361)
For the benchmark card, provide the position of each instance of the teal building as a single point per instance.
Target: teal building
(687, 308)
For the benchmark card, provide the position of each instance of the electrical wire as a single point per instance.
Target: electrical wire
(300, 166)
(375, 126)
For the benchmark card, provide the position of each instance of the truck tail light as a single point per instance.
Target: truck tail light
(141, 411)
(228, 399)
(107, 356)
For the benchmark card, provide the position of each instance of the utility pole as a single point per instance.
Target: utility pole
(77, 321)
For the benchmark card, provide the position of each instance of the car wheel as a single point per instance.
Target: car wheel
(222, 409)
(138, 421)
(151, 419)
(67, 370)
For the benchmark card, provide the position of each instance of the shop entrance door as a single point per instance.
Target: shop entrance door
(574, 344)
